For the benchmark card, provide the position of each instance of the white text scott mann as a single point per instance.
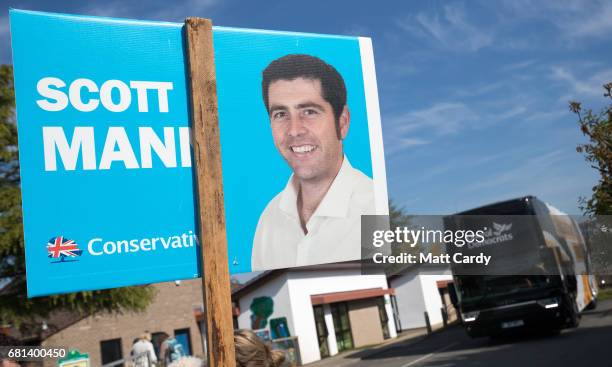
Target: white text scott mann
(132, 147)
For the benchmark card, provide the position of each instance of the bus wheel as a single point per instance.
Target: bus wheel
(574, 316)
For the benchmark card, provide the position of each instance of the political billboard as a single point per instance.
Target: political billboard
(107, 170)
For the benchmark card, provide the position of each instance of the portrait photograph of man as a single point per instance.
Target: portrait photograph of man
(316, 217)
(301, 145)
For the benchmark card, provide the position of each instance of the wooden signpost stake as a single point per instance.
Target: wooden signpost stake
(207, 154)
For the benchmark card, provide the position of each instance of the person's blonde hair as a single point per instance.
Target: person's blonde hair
(251, 351)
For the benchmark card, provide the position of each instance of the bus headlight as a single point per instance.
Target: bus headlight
(549, 303)
(470, 316)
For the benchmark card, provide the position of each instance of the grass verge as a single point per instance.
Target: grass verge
(604, 293)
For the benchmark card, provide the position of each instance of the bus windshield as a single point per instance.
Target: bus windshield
(474, 288)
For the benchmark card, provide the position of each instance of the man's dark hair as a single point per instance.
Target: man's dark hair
(295, 66)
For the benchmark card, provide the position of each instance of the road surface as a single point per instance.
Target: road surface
(588, 345)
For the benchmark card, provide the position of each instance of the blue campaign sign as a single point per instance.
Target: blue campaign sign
(105, 152)
(105, 165)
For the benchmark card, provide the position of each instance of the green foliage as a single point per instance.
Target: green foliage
(399, 219)
(15, 308)
(397, 216)
(9, 166)
(597, 127)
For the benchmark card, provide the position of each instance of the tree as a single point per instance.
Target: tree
(597, 127)
(398, 216)
(15, 308)
(399, 219)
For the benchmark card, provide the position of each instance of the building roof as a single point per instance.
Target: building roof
(319, 299)
(42, 328)
(7, 339)
(402, 270)
(411, 267)
(39, 328)
(262, 278)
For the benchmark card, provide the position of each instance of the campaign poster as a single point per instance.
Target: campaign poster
(106, 161)
(301, 144)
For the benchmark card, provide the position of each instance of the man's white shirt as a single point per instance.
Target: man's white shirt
(334, 230)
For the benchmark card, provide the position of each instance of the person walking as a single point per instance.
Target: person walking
(170, 350)
(143, 352)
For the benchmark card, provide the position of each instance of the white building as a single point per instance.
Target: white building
(420, 290)
(329, 308)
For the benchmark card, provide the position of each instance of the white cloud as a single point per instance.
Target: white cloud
(109, 9)
(585, 87)
(518, 65)
(519, 174)
(545, 116)
(357, 30)
(580, 87)
(423, 126)
(411, 142)
(153, 11)
(479, 90)
(573, 21)
(459, 163)
(4, 26)
(512, 112)
(551, 185)
(394, 145)
(440, 119)
(592, 19)
(450, 29)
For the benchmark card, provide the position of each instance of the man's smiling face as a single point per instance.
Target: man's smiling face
(304, 128)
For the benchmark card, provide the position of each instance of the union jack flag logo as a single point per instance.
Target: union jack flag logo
(60, 248)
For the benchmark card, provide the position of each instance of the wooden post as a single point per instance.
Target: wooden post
(207, 154)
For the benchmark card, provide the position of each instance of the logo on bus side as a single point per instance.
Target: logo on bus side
(499, 233)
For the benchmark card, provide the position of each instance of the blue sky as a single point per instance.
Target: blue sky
(473, 94)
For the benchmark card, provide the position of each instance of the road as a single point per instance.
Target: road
(588, 345)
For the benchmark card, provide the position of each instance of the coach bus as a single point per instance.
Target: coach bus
(539, 276)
